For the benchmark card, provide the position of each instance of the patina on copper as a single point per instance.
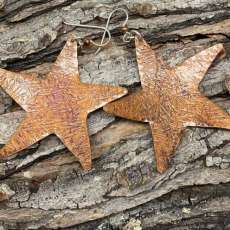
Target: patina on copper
(58, 104)
(170, 100)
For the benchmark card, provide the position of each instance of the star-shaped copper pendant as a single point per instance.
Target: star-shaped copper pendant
(58, 104)
(170, 100)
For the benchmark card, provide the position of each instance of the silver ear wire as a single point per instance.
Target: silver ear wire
(108, 22)
(106, 31)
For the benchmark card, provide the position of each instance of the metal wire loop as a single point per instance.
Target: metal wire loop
(106, 31)
(130, 35)
(108, 22)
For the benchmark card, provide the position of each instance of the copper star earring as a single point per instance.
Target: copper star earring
(169, 99)
(58, 104)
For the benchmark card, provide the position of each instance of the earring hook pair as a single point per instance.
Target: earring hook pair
(105, 29)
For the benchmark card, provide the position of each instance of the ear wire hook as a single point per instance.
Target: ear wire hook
(108, 22)
(102, 44)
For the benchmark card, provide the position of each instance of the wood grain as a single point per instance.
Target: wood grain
(170, 100)
(58, 104)
(52, 191)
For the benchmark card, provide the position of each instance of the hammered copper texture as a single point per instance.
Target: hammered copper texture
(170, 100)
(58, 104)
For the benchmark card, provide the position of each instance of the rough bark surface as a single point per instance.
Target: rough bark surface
(44, 187)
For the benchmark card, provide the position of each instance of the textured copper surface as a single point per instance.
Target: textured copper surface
(58, 104)
(170, 100)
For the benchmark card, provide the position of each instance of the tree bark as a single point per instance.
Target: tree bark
(44, 186)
